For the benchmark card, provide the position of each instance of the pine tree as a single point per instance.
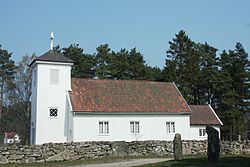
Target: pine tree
(17, 118)
(7, 72)
(136, 64)
(83, 63)
(104, 57)
(209, 74)
(153, 73)
(235, 103)
(182, 66)
(124, 65)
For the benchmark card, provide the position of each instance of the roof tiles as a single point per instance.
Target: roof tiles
(90, 95)
(203, 115)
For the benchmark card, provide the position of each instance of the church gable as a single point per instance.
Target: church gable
(89, 95)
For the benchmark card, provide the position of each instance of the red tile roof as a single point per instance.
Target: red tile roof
(90, 95)
(203, 115)
(9, 135)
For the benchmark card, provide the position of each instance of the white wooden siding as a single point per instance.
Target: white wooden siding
(47, 129)
(152, 127)
(194, 132)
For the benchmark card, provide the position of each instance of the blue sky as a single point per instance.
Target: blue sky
(147, 25)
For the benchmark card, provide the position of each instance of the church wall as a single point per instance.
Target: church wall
(194, 132)
(51, 129)
(152, 127)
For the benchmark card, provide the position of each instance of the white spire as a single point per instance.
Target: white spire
(51, 40)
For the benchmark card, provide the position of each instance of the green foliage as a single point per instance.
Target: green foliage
(182, 66)
(153, 73)
(83, 63)
(18, 112)
(129, 65)
(108, 64)
(235, 97)
(15, 119)
(204, 78)
(7, 72)
(209, 73)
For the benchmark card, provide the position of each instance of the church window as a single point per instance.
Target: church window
(170, 127)
(54, 76)
(53, 112)
(202, 132)
(104, 127)
(134, 127)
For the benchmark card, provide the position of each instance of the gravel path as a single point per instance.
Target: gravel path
(127, 163)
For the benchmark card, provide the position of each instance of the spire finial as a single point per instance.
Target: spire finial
(51, 40)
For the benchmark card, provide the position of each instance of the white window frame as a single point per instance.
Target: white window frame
(202, 132)
(103, 127)
(54, 73)
(53, 117)
(170, 127)
(134, 127)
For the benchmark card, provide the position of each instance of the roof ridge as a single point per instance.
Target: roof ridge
(121, 80)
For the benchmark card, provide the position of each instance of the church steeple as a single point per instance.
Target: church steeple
(51, 78)
(52, 55)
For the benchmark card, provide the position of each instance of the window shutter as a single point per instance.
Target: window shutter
(54, 76)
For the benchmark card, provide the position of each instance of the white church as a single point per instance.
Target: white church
(66, 109)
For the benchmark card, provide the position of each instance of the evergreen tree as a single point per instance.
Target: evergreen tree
(240, 76)
(209, 74)
(57, 48)
(104, 57)
(119, 65)
(7, 72)
(17, 119)
(136, 64)
(235, 103)
(153, 73)
(182, 66)
(83, 63)
(128, 65)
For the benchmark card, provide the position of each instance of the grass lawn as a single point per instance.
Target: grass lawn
(67, 163)
(224, 161)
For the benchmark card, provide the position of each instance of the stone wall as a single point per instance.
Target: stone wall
(90, 150)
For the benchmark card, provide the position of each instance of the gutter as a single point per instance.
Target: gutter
(130, 113)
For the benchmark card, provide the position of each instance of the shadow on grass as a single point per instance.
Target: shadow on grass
(76, 162)
(225, 161)
(67, 163)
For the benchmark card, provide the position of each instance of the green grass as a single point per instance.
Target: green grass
(67, 163)
(224, 161)
(201, 161)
